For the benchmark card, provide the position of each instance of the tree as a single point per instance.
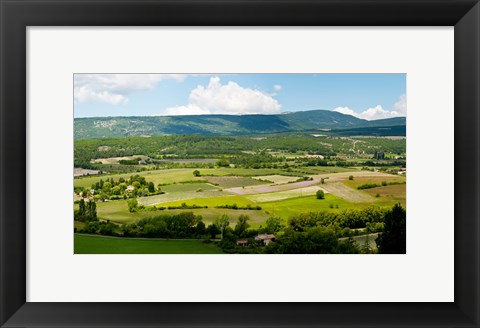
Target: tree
(393, 239)
(320, 194)
(82, 210)
(91, 211)
(322, 180)
(223, 163)
(132, 205)
(213, 230)
(200, 228)
(107, 186)
(314, 241)
(273, 224)
(222, 222)
(196, 173)
(151, 187)
(350, 177)
(241, 225)
(122, 186)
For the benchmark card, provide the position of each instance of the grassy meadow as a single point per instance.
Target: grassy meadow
(84, 244)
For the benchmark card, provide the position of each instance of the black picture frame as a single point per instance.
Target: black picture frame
(16, 15)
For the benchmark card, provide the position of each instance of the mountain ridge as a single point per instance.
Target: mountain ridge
(221, 124)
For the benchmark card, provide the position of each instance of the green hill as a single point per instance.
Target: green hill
(222, 125)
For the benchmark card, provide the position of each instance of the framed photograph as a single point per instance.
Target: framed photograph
(242, 162)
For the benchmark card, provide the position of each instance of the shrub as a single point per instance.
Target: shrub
(320, 194)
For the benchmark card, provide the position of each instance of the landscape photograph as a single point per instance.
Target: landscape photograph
(239, 163)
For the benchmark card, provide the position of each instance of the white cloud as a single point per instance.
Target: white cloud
(346, 111)
(401, 105)
(277, 87)
(114, 88)
(378, 112)
(230, 98)
(373, 113)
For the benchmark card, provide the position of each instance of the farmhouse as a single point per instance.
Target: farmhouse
(130, 188)
(266, 238)
(243, 243)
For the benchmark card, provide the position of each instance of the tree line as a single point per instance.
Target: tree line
(302, 234)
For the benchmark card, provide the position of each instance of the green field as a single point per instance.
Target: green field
(358, 181)
(117, 211)
(157, 177)
(213, 201)
(294, 206)
(282, 203)
(257, 217)
(86, 244)
(171, 176)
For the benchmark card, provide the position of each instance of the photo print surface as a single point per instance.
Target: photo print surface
(240, 163)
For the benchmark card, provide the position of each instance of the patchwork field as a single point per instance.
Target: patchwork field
(170, 176)
(271, 188)
(279, 198)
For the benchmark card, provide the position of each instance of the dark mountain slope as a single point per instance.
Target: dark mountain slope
(114, 127)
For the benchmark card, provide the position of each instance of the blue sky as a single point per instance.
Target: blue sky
(368, 96)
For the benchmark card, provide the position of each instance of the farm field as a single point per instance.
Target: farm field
(280, 195)
(180, 196)
(233, 181)
(188, 187)
(117, 211)
(170, 176)
(281, 199)
(360, 180)
(276, 179)
(390, 194)
(84, 244)
(347, 193)
(157, 176)
(289, 207)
